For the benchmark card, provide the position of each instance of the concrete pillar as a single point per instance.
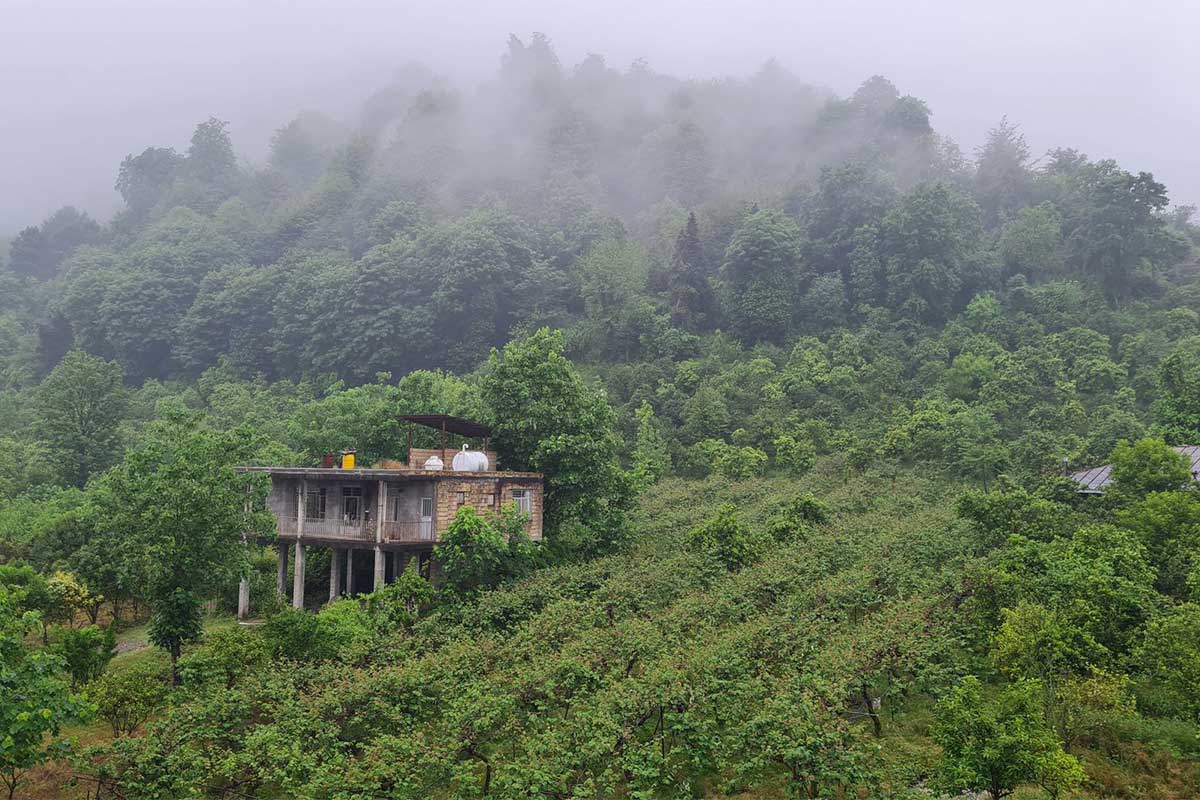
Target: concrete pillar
(335, 574)
(244, 598)
(281, 573)
(379, 568)
(298, 578)
(350, 571)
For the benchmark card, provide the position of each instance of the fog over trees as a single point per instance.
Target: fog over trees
(85, 83)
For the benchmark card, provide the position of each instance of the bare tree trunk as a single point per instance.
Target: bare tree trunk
(869, 705)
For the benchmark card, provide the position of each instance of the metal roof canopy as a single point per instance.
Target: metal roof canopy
(1097, 479)
(449, 424)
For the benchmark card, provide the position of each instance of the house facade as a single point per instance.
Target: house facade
(389, 513)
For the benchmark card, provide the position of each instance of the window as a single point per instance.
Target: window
(314, 504)
(489, 500)
(524, 500)
(396, 508)
(352, 504)
(460, 497)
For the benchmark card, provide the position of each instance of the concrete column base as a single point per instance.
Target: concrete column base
(298, 578)
(335, 574)
(243, 598)
(380, 567)
(281, 574)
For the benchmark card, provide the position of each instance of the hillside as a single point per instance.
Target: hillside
(803, 379)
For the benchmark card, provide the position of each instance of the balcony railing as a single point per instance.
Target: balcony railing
(361, 530)
(408, 531)
(353, 530)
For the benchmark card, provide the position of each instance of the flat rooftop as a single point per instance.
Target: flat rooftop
(373, 474)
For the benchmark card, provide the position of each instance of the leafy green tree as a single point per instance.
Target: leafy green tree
(705, 415)
(37, 701)
(545, 418)
(471, 553)
(38, 252)
(1168, 663)
(741, 463)
(1148, 465)
(726, 538)
(1031, 243)
(80, 405)
(1003, 181)
(762, 273)
(400, 603)
(613, 277)
(1168, 525)
(227, 320)
(929, 243)
(651, 459)
(797, 456)
(86, 652)
(180, 512)
(1179, 393)
(1114, 224)
(995, 743)
(848, 197)
(1034, 642)
(127, 698)
(226, 655)
(796, 730)
(74, 597)
(210, 166)
(27, 590)
(144, 179)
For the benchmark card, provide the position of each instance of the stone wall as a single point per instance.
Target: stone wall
(486, 496)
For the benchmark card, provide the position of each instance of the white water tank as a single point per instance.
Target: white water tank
(433, 462)
(470, 461)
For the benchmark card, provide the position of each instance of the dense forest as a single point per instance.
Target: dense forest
(805, 381)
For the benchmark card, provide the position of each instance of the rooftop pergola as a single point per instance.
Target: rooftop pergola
(448, 424)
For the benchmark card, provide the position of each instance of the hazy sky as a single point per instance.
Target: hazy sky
(84, 82)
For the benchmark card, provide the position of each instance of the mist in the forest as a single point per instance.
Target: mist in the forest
(86, 83)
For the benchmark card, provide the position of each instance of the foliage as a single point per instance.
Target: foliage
(81, 403)
(651, 460)
(545, 418)
(86, 652)
(1146, 466)
(177, 512)
(477, 552)
(127, 698)
(37, 701)
(725, 538)
(1168, 660)
(997, 743)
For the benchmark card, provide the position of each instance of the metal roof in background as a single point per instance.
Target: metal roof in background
(1094, 480)
(463, 427)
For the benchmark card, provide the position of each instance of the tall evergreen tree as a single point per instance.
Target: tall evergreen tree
(693, 305)
(1003, 182)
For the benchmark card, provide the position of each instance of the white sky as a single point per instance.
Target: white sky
(83, 82)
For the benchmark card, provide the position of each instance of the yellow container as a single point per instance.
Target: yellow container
(348, 459)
